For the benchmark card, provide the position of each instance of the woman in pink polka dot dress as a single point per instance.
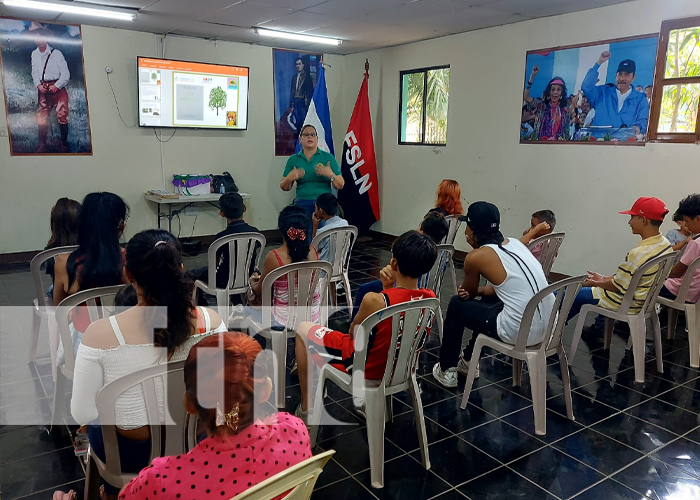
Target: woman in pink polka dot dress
(239, 451)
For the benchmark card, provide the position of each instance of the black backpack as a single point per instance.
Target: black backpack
(224, 179)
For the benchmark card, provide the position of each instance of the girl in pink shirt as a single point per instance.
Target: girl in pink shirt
(239, 451)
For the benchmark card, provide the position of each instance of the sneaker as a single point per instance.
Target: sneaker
(589, 333)
(463, 368)
(303, 415)
(236, 317)
(81, 445)
(359, 407)
(294, 369)
(447, 378)
(339, 288)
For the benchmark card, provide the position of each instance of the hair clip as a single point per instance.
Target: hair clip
(161, 242)
(296, 234)
(230, 419)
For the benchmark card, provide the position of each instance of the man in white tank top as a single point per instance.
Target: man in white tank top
(514, 276)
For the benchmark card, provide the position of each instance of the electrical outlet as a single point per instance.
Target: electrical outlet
(192, 211)
(3, 132)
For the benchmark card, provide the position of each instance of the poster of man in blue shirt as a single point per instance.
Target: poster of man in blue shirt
(617, 105)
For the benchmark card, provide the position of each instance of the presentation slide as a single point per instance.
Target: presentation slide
(190, 94)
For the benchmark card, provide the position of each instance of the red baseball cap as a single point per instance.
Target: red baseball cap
(649, 207)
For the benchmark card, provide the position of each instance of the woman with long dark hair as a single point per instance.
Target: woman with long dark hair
(552, 114)
(64, 231)
(241, 449)
(295, 225)
(163, 326)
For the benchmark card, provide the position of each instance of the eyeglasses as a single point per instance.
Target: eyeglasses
(308, 135)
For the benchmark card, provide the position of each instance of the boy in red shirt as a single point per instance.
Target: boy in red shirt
(413, 255)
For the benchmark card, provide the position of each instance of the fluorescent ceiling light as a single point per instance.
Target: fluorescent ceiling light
(297, 36)
(73, 8)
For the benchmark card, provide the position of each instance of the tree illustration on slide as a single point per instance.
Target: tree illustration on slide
(217, 99)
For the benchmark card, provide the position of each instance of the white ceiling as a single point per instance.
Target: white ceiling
(361, 24)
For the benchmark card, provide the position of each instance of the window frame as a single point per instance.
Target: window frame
(660, 80)
(425, 97)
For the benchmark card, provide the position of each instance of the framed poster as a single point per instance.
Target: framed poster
(597, 92)
(44, 86)
(294, 75)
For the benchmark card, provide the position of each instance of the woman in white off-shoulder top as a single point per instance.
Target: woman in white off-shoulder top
(131, 340)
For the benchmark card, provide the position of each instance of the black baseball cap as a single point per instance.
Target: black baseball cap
(628, 66)
(482, 217)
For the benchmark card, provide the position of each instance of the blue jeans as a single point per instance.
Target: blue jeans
(371, 287)
(308, 205)
(585, 296)
(133, 455)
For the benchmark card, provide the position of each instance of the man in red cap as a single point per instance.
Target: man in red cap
(646, 216)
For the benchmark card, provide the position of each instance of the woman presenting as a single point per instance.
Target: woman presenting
(314, 171)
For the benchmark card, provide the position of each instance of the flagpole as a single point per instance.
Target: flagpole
(366, 68)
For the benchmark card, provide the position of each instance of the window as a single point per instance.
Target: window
(423, 114)
(675, 104)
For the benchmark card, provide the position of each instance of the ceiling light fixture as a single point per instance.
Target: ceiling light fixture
(73, 8)
(297, 36)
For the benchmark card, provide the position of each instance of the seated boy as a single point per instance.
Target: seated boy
(646, 216)
(413, 254)
(689, 211)
(680, 236)
(434, 225)
(231, 207)
(324, 219)
(541, 223)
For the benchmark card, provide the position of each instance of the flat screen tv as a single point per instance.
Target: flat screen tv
(192, 94)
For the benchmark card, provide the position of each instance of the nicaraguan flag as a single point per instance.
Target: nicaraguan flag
(319, 115)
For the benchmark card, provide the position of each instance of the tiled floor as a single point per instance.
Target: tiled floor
(629, 441)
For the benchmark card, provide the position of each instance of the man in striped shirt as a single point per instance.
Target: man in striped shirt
(646, 216)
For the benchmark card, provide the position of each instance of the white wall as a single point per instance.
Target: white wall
(127, 161)
(585, 185)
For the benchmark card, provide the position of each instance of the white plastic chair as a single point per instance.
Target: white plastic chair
(409, 322)
(550, 246)
(310, 276)
(432, 280)
(453, 226)
(242, 249)
(42, 303)
(105, 295)
(298, 481)
(340, 243)
(162, 387)
(636, 321)
(535, 355)
(692, 314)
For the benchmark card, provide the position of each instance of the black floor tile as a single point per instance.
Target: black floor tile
(19, 392)
(525, 389)
(613, 395)
(27, 442)
(683, 397)
(498, 401)
(352, 452)
(502, 441)
(332, 473)
(448, 414)
(586, 410)
(347, 489)
(429, 393)
(638, 434)
(403, 432)
(450, 495)
(559, 474)
(667, 416)
(599, 451)
(406, 479)
(659, 481)
(342, 420)
(558, 426)
(501, 484)
(39, 473)
(609, 490)
(682, 454)
(472, 463)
